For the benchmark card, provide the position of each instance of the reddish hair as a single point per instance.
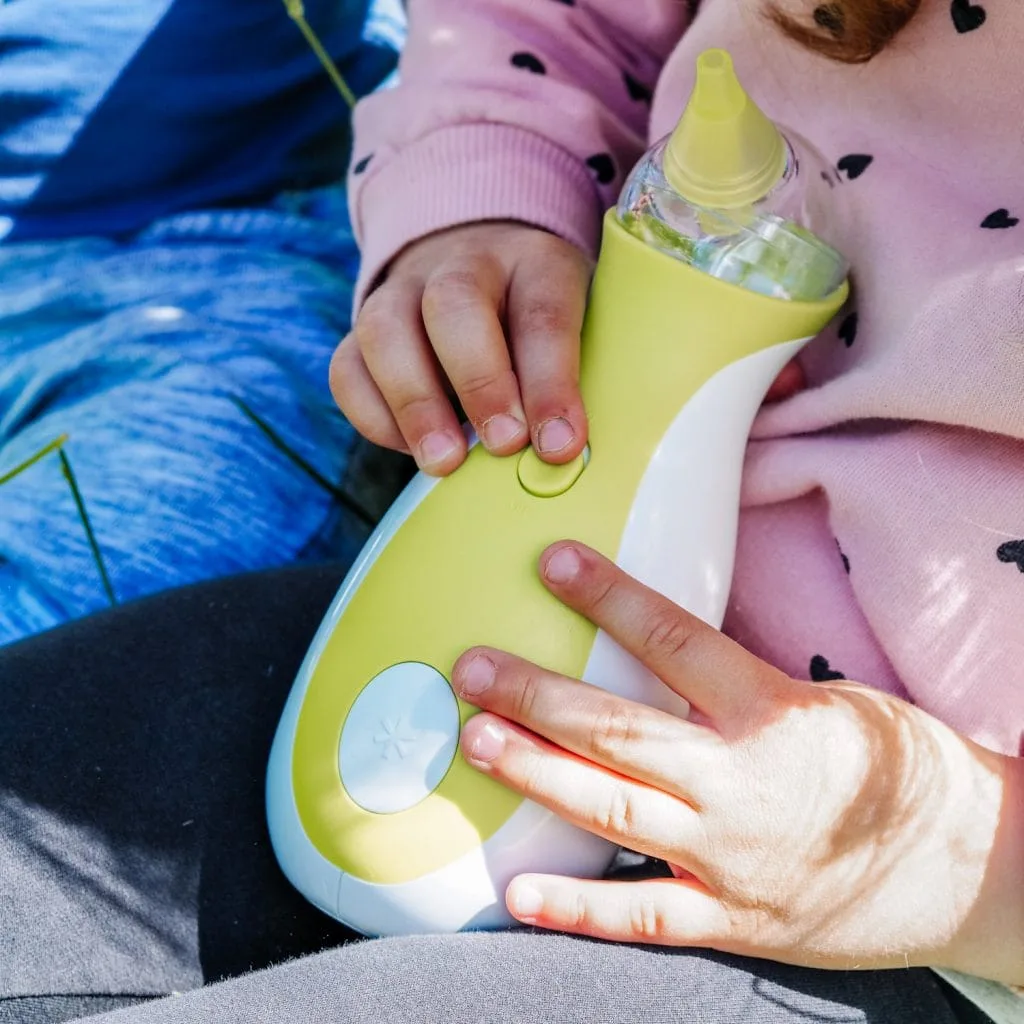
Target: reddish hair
(851, 31)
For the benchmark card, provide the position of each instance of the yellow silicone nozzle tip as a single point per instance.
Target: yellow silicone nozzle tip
(724, 152)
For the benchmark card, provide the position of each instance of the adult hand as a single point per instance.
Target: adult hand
(490, 312)
(829, 825)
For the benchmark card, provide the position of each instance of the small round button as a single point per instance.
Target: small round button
(399, 738)
(543, 480)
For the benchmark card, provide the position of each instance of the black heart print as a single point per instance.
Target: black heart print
(528, 62)
(362, 164)
(848, 330)
(855, 164)
(636, 89)
(822, 672)
(842, 555)
(1000, 219)
(967, 16)
(603, 167)
(830, 18)
(1012, 553)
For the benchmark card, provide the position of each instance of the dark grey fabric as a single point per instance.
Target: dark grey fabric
(55, 1009)
(133, 751)
(134, 860)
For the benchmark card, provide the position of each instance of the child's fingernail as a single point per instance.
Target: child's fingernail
(436, 447)
(487, 744)
(554, 435)
(477, 676)
(525, 899)
(501, 430)
(562, 566)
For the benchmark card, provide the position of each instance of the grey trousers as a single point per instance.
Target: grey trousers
(137, 882)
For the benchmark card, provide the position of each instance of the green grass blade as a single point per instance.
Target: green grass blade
(297, 13)
(53, 446)
(293, 456)
(69, 475)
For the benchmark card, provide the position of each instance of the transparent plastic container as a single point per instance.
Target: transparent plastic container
(774, 245)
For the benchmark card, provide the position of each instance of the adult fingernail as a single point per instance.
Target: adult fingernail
(477, 676)
(562, 566)
(555, 435)
(501, 430)
(436, 447)
(525, 899)
(487, 744)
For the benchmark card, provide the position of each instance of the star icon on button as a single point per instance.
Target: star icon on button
(395, 738)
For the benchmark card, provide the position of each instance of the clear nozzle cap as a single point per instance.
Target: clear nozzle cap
(725, 152)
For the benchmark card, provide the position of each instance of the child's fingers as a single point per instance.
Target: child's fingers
(547, 297)
(393, 343)
(661, 911)
(789, 381)
(360, 399)
(461, 304)
(707, 669)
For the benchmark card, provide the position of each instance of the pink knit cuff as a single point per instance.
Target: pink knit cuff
(466, 173)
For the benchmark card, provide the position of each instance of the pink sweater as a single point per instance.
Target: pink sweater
(882, 534)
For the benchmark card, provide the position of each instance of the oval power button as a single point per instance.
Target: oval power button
(544, 480)
(399, 739)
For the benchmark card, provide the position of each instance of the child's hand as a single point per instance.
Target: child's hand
(491, 312)
(828, 825)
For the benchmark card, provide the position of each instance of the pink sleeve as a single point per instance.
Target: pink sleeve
(529, 110)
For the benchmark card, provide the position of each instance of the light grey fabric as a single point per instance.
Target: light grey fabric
(134, 860)
(526, 978)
